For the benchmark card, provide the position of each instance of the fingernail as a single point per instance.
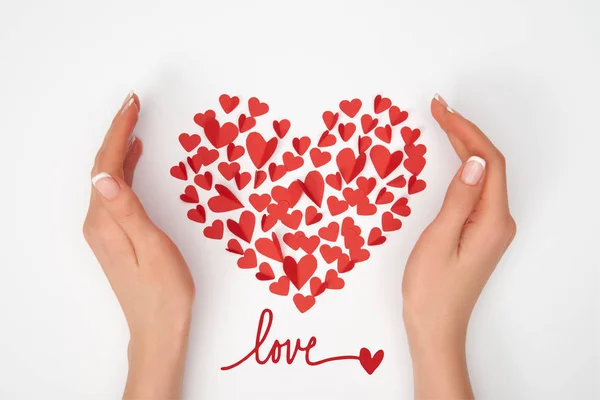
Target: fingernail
(473, 170)
(129, 103)
(132, 140)
(106, 185)
(440, 99)
(129, 96)
(443, 102)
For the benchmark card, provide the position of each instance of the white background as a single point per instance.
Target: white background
(525, 71)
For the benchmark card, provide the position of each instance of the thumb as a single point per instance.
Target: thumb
(123, 205)
(462, 195)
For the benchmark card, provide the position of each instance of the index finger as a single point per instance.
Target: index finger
(112, 153)
(473, 142)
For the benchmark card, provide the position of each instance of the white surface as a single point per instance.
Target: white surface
(525, 71)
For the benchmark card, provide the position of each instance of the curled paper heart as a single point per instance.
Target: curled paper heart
(301, 211)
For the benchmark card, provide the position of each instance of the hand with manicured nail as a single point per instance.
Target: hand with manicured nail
(453, 259)
(145, 269)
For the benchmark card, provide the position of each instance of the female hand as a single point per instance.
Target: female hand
(453, 260)
(145, 269)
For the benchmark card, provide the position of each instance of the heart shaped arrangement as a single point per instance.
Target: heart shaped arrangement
(323, 200)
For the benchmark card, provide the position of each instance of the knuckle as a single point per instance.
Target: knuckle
(511, 228)
(92, 230)
(499, 158)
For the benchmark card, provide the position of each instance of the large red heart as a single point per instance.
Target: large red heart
(366, 176)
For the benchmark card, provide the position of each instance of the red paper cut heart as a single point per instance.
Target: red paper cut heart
(293, 230)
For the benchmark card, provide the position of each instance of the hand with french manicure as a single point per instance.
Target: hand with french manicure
(454, 258)
(145, 269)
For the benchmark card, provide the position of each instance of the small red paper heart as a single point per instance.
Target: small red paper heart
(301, 144)
(346, 131)
(201, 118)
(333, 281)
(317, 287)
(293, 239)
(312, 216)
(349, 165)
(351, 108)
(299, 272)
(245, 123)
(281, 287)
(226, 201)
(241, 180)
(215, 231)
(336, 206)
(303, 303)
(195, 163)
(309, 244)
(380, 104)
(397, 182)
(368, 123)
(389, 223)
(414, 165)
(415, 185)
(220, 136)
(290, 195)
(267, 222)
(233, 246)
(259, 202)
(409, 135)
(313, 186)
(197, 214)
(401, 208)
(366, 184)
(334, 180)
(375, 237)
(190, 195)
(189, 142)
(244, 228)
(257, 108)
(330, 232)
(330, 254)
(385, 162)
(384, 133)
(248, 260)
(179, 171)
(292, 162)
(397, 116)
(228, 170)
(384, 197)
(207, 156)
(330, 119)
(270, 248)
(344, 264)
(326, 140)
(364, 142)
(259, 178)
(260, 150)
(228, 104)
(234, 152)
(281, 128)
(276, 172)
(319, 158)
(265, 272)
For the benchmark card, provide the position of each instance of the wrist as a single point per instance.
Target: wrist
(156, 367)
(438, 354)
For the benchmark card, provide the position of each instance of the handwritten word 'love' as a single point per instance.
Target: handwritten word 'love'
(369, 362)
